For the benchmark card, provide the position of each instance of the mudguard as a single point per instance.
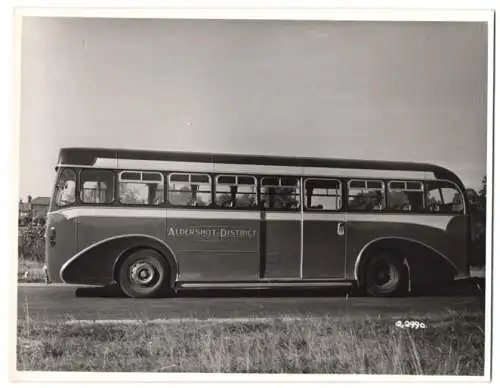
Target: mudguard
(97, 264)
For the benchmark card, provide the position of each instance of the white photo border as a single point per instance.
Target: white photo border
(238, 13)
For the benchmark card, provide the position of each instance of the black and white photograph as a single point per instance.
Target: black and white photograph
(247, 194)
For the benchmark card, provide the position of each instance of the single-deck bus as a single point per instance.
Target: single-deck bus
(156, 222)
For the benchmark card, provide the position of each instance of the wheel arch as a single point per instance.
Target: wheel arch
(97, 263)
(148, 242)
(405, 248)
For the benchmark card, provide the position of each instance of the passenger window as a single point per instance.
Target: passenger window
(280, 193)
(444, 197)
(366, 195)
(236, 191)
(323, 194)
(97, 186)
(138, 188)
(65, 188)
(405, 196)
(191, 190)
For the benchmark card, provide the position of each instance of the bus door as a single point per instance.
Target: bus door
(324, 240)
(280, 229)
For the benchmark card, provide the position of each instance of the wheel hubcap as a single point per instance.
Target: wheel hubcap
(383, 276)
(386, 276)
(142, 273)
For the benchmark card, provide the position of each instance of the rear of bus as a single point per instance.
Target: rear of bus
(61, 237)
(92, 225)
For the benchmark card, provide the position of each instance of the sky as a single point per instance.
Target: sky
(404, 91)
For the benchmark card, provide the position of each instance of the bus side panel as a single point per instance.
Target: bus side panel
(445, 234)
(210, 250)
(282, 249)
(92, 229)
(95, 228)
(324, 248)
(63, 245)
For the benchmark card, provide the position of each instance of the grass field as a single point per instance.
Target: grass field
(454, 346)
(451, 344)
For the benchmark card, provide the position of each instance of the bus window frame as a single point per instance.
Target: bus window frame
(77, 191)
(405, 181)
(118, 202)
(80, 202)
(235, 175)
(260, 203)
(189, 173)
(341, 182)
(464, 211)
(345, 182)
(348, 181)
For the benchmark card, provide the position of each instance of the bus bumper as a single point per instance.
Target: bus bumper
(477, 272)
(463, 275)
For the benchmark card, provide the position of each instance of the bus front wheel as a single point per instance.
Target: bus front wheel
(143, 274)
(384, 275)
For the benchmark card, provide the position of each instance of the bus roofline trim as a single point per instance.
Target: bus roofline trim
(83, 251)
(246, 169)
(360, 254)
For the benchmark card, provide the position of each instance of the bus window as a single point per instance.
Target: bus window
(366, 195)
(137, 188)
(444, 197)
(236, 191)
(323, 194)
(280, 193)
(405, 196)
(65, 188)
(97, 186)
(189, 190)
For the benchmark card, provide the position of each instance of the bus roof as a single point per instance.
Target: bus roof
(88, 156)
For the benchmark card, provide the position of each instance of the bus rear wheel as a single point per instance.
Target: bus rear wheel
(384, 275)
(143, 274)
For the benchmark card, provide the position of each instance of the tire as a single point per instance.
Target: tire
(144, 274)
(385, 275)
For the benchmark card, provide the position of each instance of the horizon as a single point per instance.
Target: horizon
(395, 91)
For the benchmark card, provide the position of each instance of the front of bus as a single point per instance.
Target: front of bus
(60, 235)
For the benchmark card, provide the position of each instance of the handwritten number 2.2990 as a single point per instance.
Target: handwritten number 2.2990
(410, 324)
